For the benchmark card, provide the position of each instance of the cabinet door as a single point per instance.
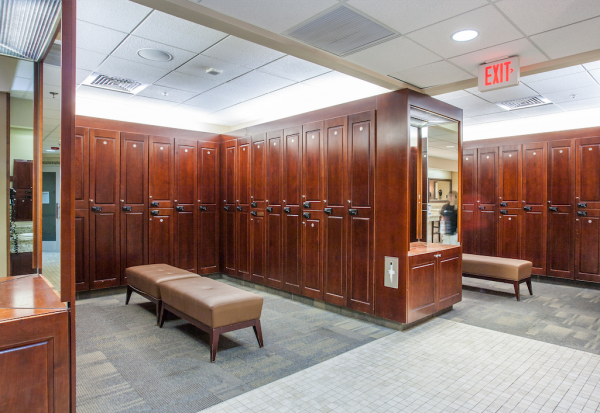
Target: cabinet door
(587, 184)
(22, 174)
(185, 223)
(561, 194)
(105, 251)
(312, 166)
(81, 168)
(510, 165)
(533, 224)
(335, 220)
(243, 209)
(587, 247)
(312, 255)
(274, 217)
(134, 201)
(449, 278)
(228, 216)
(509, 233)
(469, 202)
(487, 189)
(421, 287)
(82, 249)
(257, 204)
(361, 172)
(208, 209)
(161, 170)
(258, 180)
(161, 245)
(292, 234)
(258, 256)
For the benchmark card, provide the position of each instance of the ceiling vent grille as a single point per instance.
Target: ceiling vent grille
(524, 103)
(114, 83)
(341, 31)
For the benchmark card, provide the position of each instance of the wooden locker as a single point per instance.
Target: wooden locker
(82, 249)
(361, 197)
(161, 232)
(242, 222)
(258, 253)
(533, 223)
(509, 233)
(561, 196)
(312, 251)
(258, 181)
(312, 166)
(587, 182)
(185, 195)
(258, 193)
(208, 207)
(509, 196)
(291, 233)
(469, 201)
(134, 201)
(104, 240)
(587, 246)
(228, 225)
(335, 220)
(161, 169)
(274, 209)
(487, 189)
(81, 168)
(22, 174)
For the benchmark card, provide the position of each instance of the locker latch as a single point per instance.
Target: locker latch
(306, 204)
(553, 209)
(239, 208)
(482, 207)
(253, 204)
(154, 212)
(202, 208)
(287, 210)
(582, 213)
(328, 211)
(226, 208)
(582, 205)
(503, 211)
(505, 204)
(306, 215)
(269, 209)
(96, 209)
(254, 213)
(352, 211)
(127, 208)
(527, 208)
(154, 204)
(179, 208)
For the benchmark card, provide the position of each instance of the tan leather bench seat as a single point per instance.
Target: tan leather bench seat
(497, 267)
(147, 278)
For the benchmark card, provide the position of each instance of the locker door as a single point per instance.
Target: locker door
(243, 209)
(292, 185)
(312, 263)
(312, 166)
(162, 245)
(258, 172)
(533, 224)
(469, 202)
(258, 192)
(258, 256)
(509, 196)
(105, 249)
(487, 189)
(134, 201)
(561, 194)
(81, 168)
(587, 246)
(274, 211)
(185, 222)
(509, 233)
(335, 220)
(208, 220)
(161, 169)
(229, 212)
(588, 173)
(361, 172)
(82, 249)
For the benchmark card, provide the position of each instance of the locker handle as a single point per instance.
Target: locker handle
(253, 204)
(582, 205)
(553, 209)
(306, 215)
(254, 213)
(28, 192)
(154, 204)
(352, 211)
(306, 204)
(202, 208)
(328, 211)
(27, 196)
(96, 209)
(527, 208)
(582, 213)
(287, 210)
(179, 208)
(269, 209)
(503, 211)
(154, 212)
(127, 208)
(239, 208)
(504, 204)
(226, 208)
(482, 207)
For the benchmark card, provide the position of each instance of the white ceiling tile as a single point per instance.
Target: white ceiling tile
(212, 102)
(528, 17)
(527, 52)
(49, 113)
(393, 56)
(50, 123)
(558, 84)
(260, 83)
(581, 104)
(129, 48)
(114, 66)
(28, 95)
(90, 92)
(242, 52)
(24, 69)
(195, 84)
(433, 74)
(150, 103)
(406, 16)
(483, 109)
(231, 93)
(167, 29)
(49, 103)
(588, 66)
(275, 16)
(290, 67)
(595, 74)
(493, 29)
(97, 38)
(122, 15)
(496, 117)
(188, 110)
(502, 95)
(165, 93)
(81, 75)
(566, 41)
(538, 111)
(199, 64)
(466, 101)
(452, 95)
(552, 74)
(52, 75)
(20, 84)
(572, 95)
(18, 95)
(89, 60)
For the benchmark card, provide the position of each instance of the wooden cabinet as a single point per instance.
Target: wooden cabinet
(587, 246)
(312, 261)
(82, 249)
(81, 169)
(258, 192)
(243, 209)
(161, 170)
(509, 233)
(22, 174)
(208, 207)
(469, 201)
(312, 166)
(161, 245)
(228, 214)
(487, 187)
(274, 209)
(23, 184)
(185, 214)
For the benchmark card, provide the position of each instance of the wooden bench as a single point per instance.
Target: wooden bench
(504, 270)
(212, 306)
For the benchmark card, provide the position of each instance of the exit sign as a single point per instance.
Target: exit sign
(499, 74)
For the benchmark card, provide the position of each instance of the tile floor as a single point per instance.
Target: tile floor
(51, 268)
(440, 366)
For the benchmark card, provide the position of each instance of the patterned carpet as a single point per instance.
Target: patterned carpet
(126, 363)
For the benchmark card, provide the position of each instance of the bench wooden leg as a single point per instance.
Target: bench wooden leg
(161, 315)
(214, 343)
(128, 296)
(516, 284)
(258, 333)
(528, 281)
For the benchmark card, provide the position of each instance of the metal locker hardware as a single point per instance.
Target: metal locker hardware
(553, 209)
(134, 145)
(352, 211)
(122, 200)
(349, 201)
(27, 192)
(269, 209)
(175, 200)
(328, 211)
(503, 211)
(267, 201)
(590, 149)
(253, 204)
(96, 209)
(239, 208)
(463, 207)
(202, 208)
(127, 208)
(254, 213)
(325, 200)
(335, 133)
(589, 221)
(582, 213)
(312, 225)
(104, 142)
(27, 196)
(560, 151)
(503, 203)
(582, 205)
(226, 208)
(154, 204)
(523, 201)
(154, 212)
(361, 128)
(287, 210)
(527, 208)
(306, 215)
(549, 202)
(150, 196)
(306, 204)
(482, 207)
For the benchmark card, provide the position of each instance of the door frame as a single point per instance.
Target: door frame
(54, 246)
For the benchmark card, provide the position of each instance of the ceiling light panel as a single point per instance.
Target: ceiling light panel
(242, 52)
(121, 15)
(465, 35)
(97, 38)
(292, 68)
(129, 49)
(27, 27)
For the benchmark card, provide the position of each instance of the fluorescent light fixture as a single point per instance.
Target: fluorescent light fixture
(155, 55)
(450, 146)
(465, 35)
(28, 27)
(50, 150)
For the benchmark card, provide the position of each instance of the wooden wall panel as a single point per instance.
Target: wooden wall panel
(587, 181)
(81, 179)
(82, 249)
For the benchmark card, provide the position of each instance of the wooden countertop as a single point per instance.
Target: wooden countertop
(26, 296)
(429, 248)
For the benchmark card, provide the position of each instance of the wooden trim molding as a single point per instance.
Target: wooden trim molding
(38, 127)
(534, 137)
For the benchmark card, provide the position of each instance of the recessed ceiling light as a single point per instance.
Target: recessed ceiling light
(155, 55)
(465, 35)
(213, 71)
(450, 146)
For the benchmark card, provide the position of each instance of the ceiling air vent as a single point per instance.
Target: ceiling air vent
(341, 31)
(524, 103)
(114, 83)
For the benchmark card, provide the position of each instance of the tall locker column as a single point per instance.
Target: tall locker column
(487, 189)
(469, 201)
(258, 253)
(82, 212)
(186, 215)
(274, 209)
(242, 222)
(228, 215)
(509, 191)
(208, 212)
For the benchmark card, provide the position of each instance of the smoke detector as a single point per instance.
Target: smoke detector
(118, 84)
(523, 103)
(213, 71)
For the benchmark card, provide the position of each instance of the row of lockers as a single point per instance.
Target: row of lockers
(535, 201)
(143, 199)
(297, 209)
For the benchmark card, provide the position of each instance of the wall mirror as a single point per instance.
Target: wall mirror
(434, 144)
